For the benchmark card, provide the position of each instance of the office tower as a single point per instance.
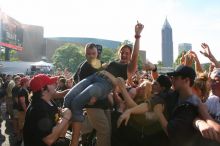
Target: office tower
(167, 45)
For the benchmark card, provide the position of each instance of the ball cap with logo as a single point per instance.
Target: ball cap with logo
(183, 71)
(41, 80)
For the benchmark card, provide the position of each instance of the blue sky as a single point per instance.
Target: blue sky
(192, 21)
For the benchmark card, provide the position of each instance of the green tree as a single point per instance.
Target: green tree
(140, 63)
(206, 66)
(12, 54)
(108, 55)
(127, 42)
(159, 63)
(68, 56)
(178, 59)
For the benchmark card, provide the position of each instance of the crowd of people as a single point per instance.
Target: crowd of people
(115, 104)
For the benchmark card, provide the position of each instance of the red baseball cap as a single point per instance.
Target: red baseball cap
(41, 80)
(24, 80)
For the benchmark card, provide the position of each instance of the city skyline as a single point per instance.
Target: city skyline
(194, 21)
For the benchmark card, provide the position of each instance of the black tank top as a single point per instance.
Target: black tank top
(117, 69)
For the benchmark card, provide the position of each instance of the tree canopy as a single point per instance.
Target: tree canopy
(108, 55)
(68, 56)
(71, 55)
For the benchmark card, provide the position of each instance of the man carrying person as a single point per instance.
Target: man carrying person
(124, 68)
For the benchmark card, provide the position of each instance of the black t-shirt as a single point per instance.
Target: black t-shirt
(84, 70)
(117, 69)
(180, 125)
(23, 93)
(3, 89)
(180, 118)
(40, 119)
(5, 85)
(2, 92)
(15, 92)
(167, 98)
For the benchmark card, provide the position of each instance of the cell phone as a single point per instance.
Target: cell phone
(99, 49)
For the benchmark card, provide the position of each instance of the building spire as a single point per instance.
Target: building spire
(167, 44)
(166, 24)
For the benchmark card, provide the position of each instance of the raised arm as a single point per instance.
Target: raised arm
(198, 67)
(132, 66)
(207, 53)
(211, 68)
(188, 59)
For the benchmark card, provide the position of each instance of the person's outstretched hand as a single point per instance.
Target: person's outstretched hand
(194, 55)
(188, 59)
(124, 117)
(138, 28)
(206, 50)
(182, 59)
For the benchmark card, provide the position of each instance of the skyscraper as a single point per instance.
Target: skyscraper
(167, 45)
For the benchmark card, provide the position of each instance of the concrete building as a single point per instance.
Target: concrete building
(184, 47)
(167, 44)
(33, 43)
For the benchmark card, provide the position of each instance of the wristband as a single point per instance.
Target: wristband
(137, 36)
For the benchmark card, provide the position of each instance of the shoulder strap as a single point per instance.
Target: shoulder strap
(78, 71)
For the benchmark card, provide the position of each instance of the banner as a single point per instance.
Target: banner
(11, 32)
(17, 48)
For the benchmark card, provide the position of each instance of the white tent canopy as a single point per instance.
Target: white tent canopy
(21, 66)
(42, 63)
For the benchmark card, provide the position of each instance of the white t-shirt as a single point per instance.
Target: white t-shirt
(213, 104)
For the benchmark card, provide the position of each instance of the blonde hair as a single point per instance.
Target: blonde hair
(201, 84)
(147, 91)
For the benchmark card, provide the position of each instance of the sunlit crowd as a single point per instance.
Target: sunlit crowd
(115, 103)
